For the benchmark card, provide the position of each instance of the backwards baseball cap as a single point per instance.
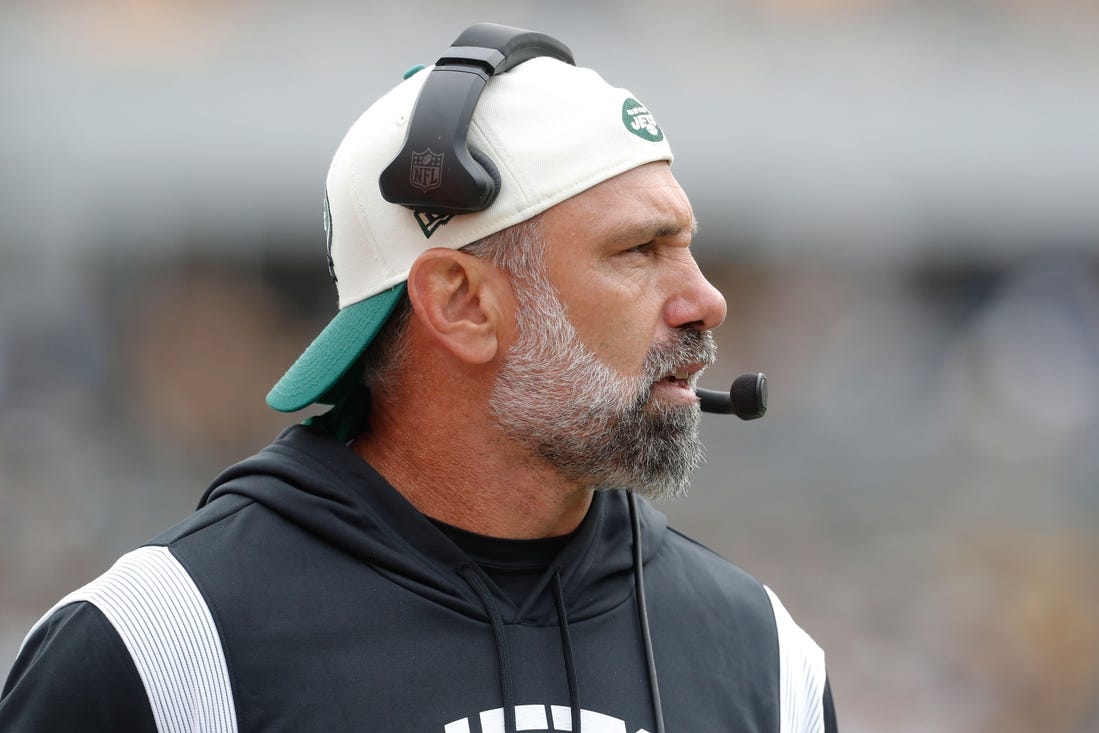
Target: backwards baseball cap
(552, 130)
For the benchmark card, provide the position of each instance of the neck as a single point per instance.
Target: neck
(467, 474)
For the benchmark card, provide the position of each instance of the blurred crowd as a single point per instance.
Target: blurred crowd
(908, 247)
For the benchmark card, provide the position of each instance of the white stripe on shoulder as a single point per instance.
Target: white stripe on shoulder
(801, 675)
(166, 625)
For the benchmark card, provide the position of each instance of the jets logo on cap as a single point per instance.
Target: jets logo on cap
(638, 120)
(427, 170)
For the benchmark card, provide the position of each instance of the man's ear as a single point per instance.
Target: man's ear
(458, 299)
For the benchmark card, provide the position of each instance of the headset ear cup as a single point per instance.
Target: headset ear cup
(490, 168)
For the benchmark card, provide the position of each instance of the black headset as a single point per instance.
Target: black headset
(437, 171)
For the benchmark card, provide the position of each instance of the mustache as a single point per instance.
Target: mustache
(686, 346)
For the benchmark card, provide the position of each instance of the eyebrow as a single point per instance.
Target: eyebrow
(656, 229)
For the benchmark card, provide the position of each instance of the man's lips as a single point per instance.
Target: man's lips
(683, 376)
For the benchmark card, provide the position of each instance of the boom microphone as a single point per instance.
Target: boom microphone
(747, 398)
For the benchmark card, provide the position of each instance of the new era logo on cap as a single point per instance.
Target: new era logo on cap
(429, 221)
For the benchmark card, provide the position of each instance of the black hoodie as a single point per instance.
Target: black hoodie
(306, 594)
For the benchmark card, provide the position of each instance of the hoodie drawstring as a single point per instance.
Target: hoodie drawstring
(642, 612)
(503, 659)
(566, 645)
(472, 576)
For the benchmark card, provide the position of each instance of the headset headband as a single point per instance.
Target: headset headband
(436, 170)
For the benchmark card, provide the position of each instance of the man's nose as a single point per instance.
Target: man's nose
(696, 303)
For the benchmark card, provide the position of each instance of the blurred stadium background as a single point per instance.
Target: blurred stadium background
(898, 198)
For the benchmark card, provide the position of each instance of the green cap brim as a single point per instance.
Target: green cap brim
(318, 371)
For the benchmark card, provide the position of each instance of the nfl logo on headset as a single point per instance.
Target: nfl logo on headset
(427, 170)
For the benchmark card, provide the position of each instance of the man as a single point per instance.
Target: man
(457, 545)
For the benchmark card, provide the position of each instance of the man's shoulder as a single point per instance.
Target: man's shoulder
(699, 584)
(205, 519)
(146, 610)
(705, 565)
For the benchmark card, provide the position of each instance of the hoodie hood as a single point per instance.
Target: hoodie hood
(318, 483)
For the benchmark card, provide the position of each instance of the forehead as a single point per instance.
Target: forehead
(641, 204)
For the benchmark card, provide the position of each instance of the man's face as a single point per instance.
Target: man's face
(612, 337)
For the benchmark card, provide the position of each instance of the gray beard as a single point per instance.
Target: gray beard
(590, 423)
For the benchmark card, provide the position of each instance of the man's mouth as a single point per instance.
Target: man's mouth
(682, 377)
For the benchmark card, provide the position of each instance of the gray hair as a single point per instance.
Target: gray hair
(516, 250)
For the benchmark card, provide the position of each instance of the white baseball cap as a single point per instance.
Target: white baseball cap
(552, 129)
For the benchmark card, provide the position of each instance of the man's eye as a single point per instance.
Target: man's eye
(642, 248)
